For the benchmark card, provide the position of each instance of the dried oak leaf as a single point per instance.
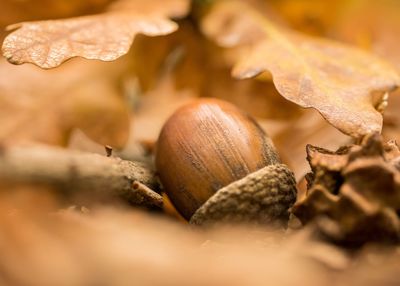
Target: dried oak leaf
(355, 193)
(105, 36)
(344, 84)
(375, 26)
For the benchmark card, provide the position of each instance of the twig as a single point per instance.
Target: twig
(146, 195)
(74, 172)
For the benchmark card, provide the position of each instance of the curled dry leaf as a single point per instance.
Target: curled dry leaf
(344, 84)
(355, 192)
(105, 36)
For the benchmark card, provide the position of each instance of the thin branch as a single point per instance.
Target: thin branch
(75, 173)
(146, 195)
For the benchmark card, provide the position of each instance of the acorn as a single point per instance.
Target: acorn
(216, 164)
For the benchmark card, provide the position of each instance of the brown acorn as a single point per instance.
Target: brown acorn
(217, 164)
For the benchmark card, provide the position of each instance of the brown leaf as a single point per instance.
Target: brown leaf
(105, 36)
(375, 26)
(49, 104)
(355, 194)
(337, 80)
(121, 246)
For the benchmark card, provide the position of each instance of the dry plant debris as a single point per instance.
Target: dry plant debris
(354, 196)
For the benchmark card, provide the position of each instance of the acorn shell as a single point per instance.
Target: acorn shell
(263, 197)
(205, 146)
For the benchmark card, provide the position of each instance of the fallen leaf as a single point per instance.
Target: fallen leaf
(106, 36)
(344, 84)
(50, 104)
(375, 26)
(120, 246)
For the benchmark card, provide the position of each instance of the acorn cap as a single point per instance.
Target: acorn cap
(262, 197)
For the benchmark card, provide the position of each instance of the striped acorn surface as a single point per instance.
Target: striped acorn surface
(209, 144)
